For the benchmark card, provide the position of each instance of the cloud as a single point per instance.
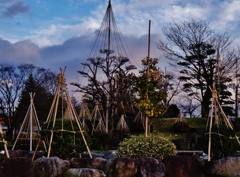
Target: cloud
(16, 8)
(19, 52)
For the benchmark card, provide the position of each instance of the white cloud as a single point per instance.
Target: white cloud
(19, 52)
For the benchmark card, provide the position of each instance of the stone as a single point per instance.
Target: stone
(50, 167)
(16, 167)
(27, 154)
(18, 153)
(95, 163)
(183, 166)
(228, 167)
(83, 172)
(121, 167)
(150, 167)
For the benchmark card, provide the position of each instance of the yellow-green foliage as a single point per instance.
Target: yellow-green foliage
(138, 146)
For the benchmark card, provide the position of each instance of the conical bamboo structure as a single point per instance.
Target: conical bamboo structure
(216, 111)
(122, 125)
(98, 124)
(181, 124)
(30, 129)
(84, 115)
(140, 117)
(62, 97)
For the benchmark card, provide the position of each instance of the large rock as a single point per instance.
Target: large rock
(84, 172)
(150, 167)
(183, 166)
(228, 167)
(16, 167)
(95, 163)
(27, 154)
(50, 167)
(121, 167)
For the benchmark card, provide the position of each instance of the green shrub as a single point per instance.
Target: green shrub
(65, 141)
(223, 142)
(138, 146)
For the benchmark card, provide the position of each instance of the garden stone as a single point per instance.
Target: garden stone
(83, 172)
(50, 167)
(95, 163)
(183, 166)
(150, 167)
(16, 167)
(121, 167)
(228, 167)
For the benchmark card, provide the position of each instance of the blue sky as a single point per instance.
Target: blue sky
(58, 33)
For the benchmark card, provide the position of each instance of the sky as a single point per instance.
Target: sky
(58, 33)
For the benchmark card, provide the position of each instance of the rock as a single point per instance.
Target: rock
(183, 166)
(95, 163)
(50, 167)
(121, 167)
(83, 172)
(16, 167)
(150, 167)
(229, 167)
(18, 153)
(27, 154)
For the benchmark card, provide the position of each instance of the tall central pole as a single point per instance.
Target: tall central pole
(107, 62)
(147, 128)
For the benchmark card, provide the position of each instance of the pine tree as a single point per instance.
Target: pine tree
(42, 100)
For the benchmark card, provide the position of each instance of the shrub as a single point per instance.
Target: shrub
(223, 142)
(103, 141)
(66, 141)
(138, 146)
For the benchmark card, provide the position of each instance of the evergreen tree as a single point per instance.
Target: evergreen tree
(42, 100)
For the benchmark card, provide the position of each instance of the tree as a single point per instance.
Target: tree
(188, 106)
(42, 100)
(111, 92)
(12, 83)
(193, 49)
(150, 88)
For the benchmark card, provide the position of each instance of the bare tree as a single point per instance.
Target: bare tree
(111, 92)
(172, 86)
(12, 83)
(188, 106)
(196, 51)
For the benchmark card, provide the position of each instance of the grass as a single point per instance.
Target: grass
(164, 126)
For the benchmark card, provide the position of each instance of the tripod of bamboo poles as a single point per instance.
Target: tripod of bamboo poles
(4, 142)
(84, 115)
(97, 120)
(122, 124)
(62, 93)
(30, 126)
(216, 108)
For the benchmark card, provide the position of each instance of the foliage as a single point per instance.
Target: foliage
(150, 88)
(172, 111)
(42, 100)
(223, 142)
(106, 141)
(138, 146)
(67, 138)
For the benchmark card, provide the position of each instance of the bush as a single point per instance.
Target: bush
(223, 142)
(65, 141)
(138, 146)
(103, 141)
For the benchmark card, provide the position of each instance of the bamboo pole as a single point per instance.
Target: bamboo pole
(147, 131)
